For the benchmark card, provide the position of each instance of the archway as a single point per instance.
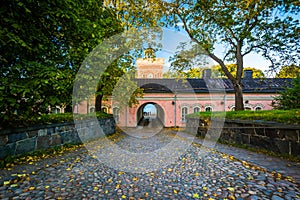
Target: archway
(150, 114)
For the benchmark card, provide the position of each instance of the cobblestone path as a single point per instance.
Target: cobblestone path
(79, 175)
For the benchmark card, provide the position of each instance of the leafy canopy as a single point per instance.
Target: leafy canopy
(42, 46)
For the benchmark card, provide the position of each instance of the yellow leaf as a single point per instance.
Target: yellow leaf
(204, 188)
(47, 186)
(134, 179)
(146, 194)
(175, 191)
(96, 188)
(6, 183)
(169, 170)
(196, 195)
(14, 185)
(32, 188)
(230, 189)
(106, 191)
(123, 197)
(196, 174)
(68, 169)
(117, 186)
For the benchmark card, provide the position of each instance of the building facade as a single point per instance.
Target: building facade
(173, 99)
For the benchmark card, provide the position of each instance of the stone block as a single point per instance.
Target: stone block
(295, 148)
(16, 137)
(3, 140)
(261, 142)
(42, 132)
(290, 134)
(259, 131)
(33, 133)
(55, 140)
(281, 146)
(273, 133)
(248, 130)
(26, 145)
(69, 137)
(43, 142)
(7, 150)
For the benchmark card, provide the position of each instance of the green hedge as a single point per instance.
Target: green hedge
(282, 116)
(20, 121)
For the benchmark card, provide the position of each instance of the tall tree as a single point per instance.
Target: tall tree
(217, 72)
(263, 27)
(291, 71)
(42, 46)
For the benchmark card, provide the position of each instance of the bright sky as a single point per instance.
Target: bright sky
(171, 39)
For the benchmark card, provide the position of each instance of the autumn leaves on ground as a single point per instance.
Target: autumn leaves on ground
(76, 173)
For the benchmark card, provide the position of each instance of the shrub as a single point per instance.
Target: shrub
(290, 98)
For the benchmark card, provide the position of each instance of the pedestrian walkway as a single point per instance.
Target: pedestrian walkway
(82, 174)
(269, 163)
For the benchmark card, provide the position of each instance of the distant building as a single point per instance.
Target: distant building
(174, 99)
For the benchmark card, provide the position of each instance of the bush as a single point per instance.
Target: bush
(20, 121)
(290, 98)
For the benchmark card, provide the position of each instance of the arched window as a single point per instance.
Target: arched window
(150, 75)
(196, 109)
(184, 112)
(208, 109)
(92, 109)
(55, 110)
(258, 108)
(116, 114)
(104, 109)
(247, 108)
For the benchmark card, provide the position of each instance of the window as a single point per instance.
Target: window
(208, 109)
(258, 108)
(248, 108)
(104, 109)
(55, 110)
(196, 109)
(150, 75)
(184, 112)
(92, 109)
(116, 113)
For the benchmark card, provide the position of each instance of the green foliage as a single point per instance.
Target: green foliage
(42, 47)
(216, 72)
(283, 116)
(291, 71)
(23, 121)
(268, 28)
(290, 98)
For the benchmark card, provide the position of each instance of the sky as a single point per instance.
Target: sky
(171, 39)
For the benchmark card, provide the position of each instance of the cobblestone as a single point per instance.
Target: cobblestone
(79, 175)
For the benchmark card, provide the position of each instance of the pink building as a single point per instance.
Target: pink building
(170, 100)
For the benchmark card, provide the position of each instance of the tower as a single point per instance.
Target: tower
(149, 66)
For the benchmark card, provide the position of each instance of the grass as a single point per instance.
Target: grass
(282, 116)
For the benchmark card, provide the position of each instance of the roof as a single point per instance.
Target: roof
(250, 85)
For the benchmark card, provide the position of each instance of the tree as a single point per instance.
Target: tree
(216, 72)
(42, 47)
(264, 27)
(291, 71)
(290, 98)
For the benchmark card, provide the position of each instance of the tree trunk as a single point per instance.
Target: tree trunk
(98, 103)
(239, 102)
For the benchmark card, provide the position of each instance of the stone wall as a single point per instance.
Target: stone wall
(272, 136)
(23, 140)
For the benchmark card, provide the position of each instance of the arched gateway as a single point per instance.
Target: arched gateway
(173, 99)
